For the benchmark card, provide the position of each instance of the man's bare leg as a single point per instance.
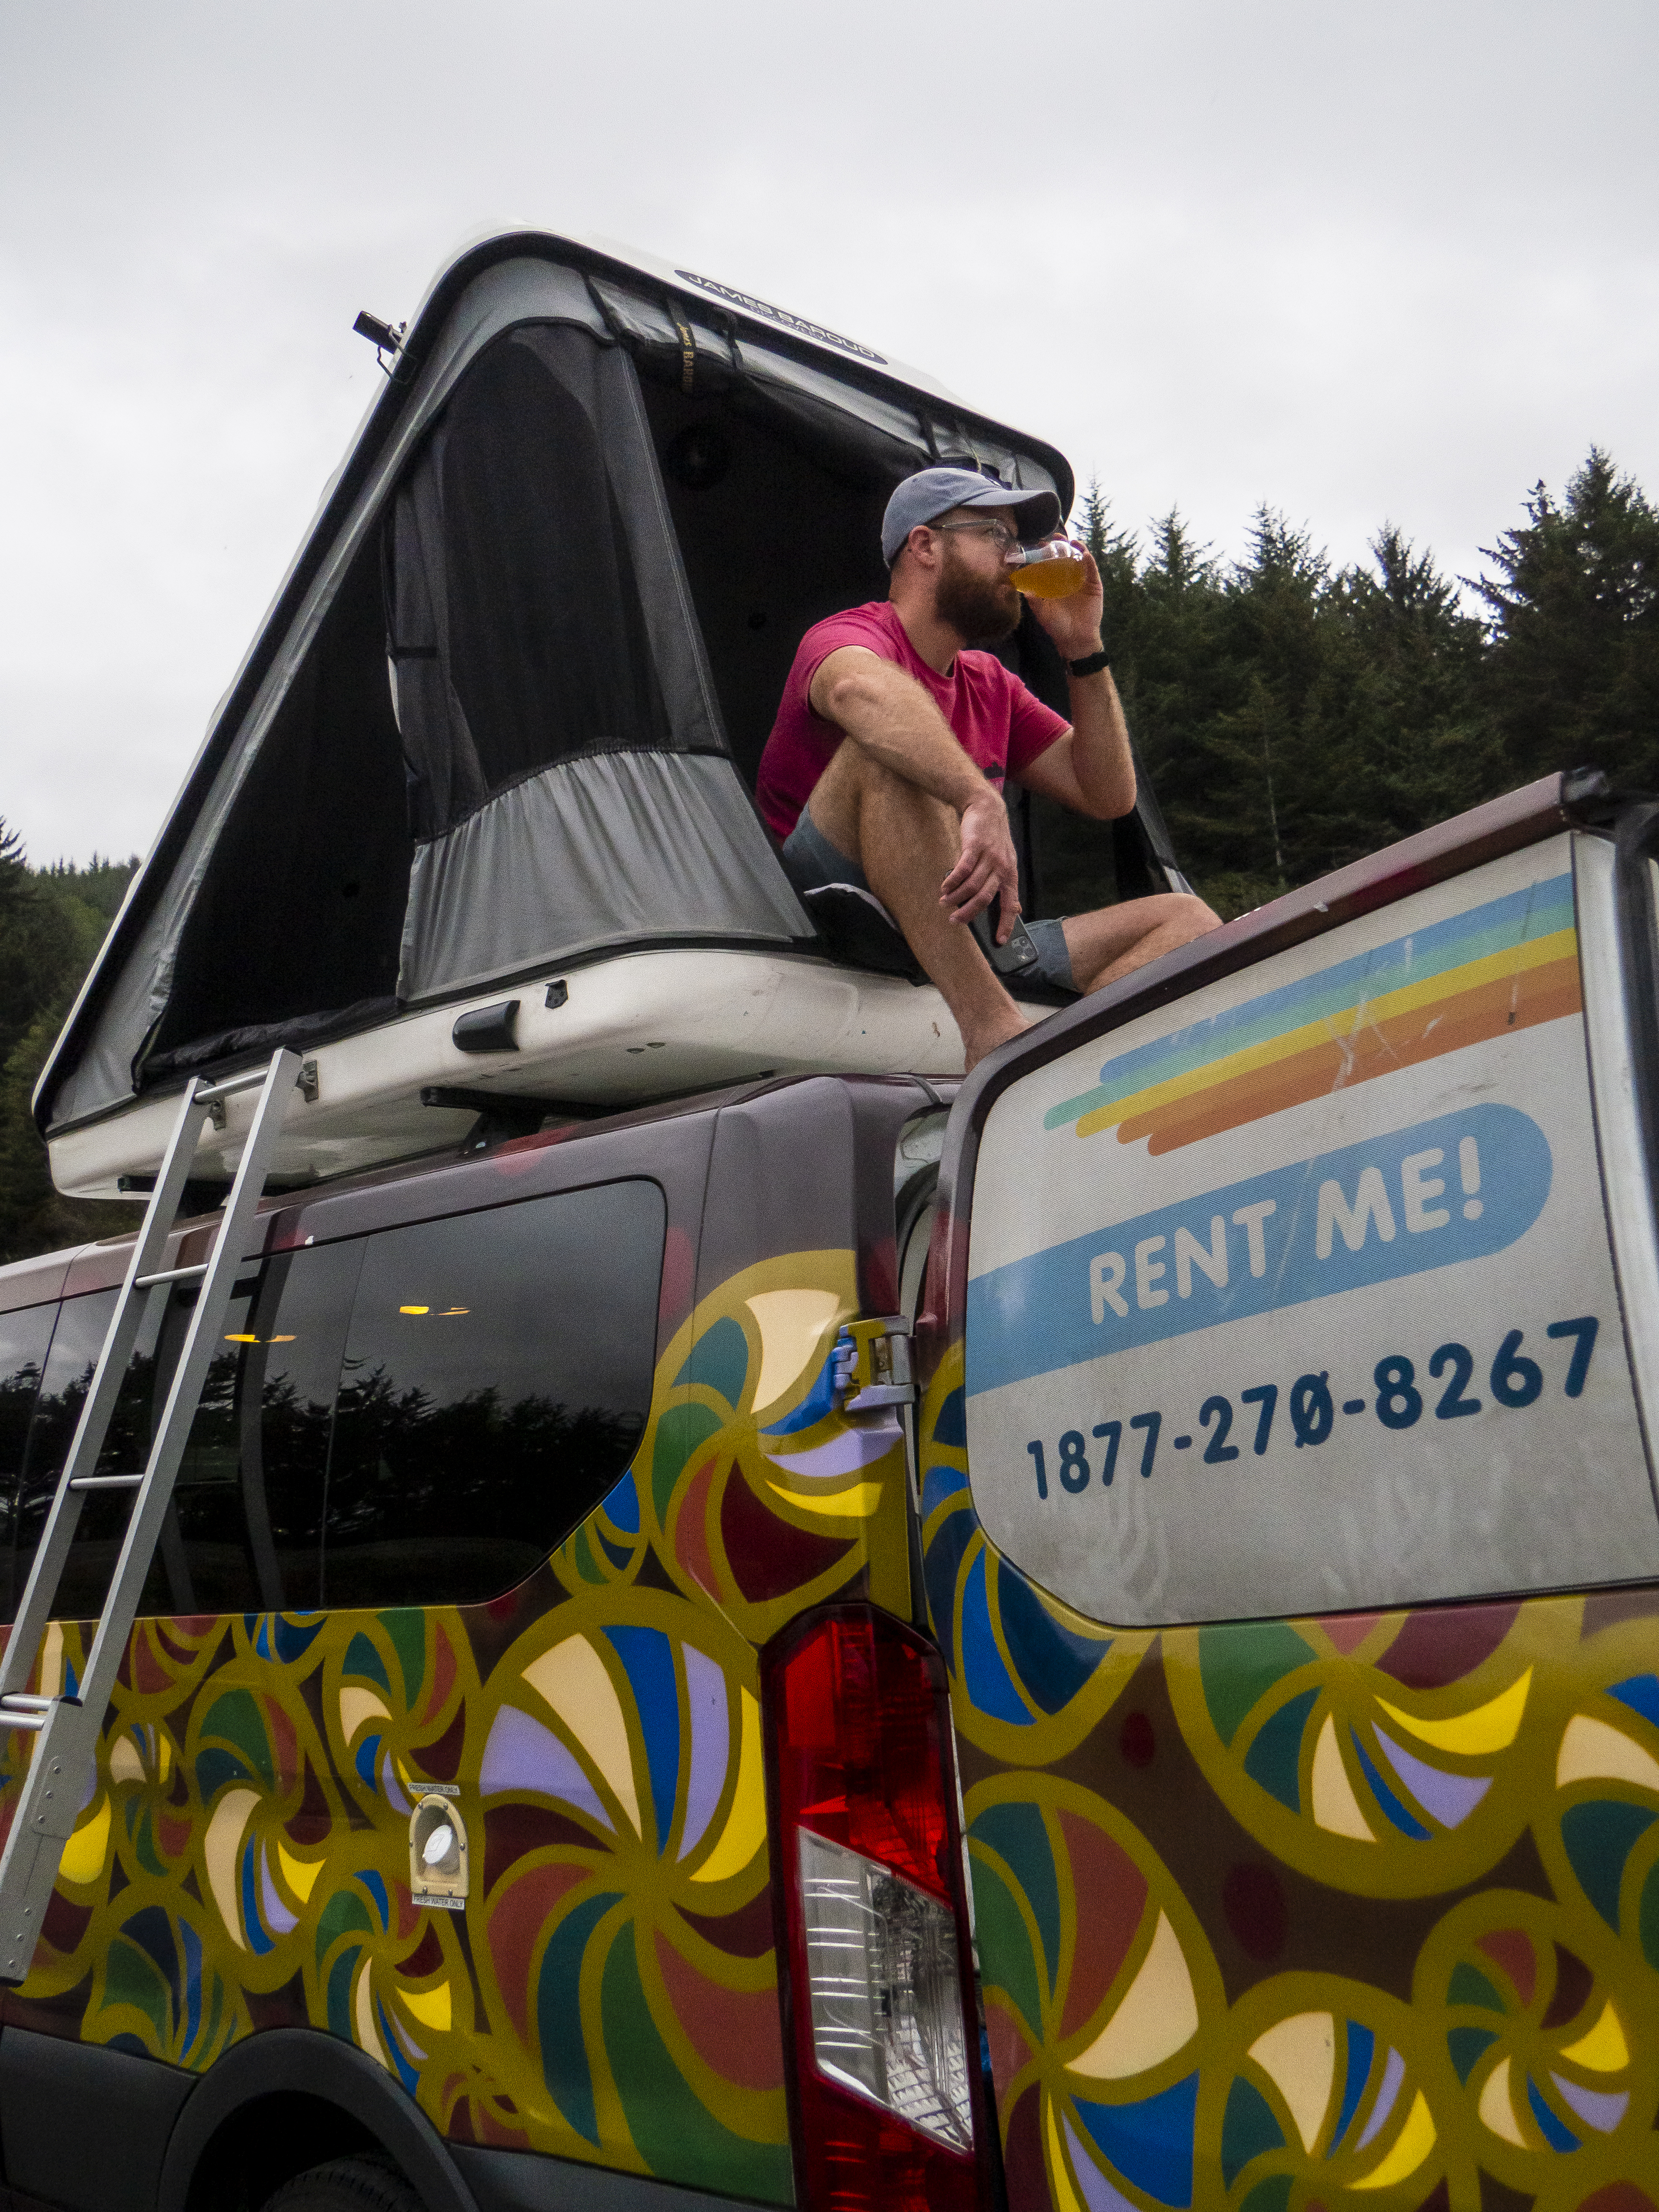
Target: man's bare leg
(907, 844)
(1117, 940)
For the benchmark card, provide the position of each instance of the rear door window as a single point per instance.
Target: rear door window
(497, 1376)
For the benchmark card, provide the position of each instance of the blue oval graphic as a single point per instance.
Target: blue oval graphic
(1459, 1187)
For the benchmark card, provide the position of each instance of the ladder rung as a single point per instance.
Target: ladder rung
(171, 1275)
(9, 1719)
(106, 1481)
(25, 1701)
(232, 1087)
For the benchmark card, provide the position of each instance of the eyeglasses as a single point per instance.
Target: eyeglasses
(1005, 538)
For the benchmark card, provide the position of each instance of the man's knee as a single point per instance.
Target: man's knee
(1186, 916)
(884, 785)
(1176, 917)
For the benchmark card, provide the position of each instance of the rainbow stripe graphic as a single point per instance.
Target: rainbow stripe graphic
(1507, 965)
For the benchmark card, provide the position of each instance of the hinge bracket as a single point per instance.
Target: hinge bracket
(872, 1364)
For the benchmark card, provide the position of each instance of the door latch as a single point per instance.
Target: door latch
(872, 1364)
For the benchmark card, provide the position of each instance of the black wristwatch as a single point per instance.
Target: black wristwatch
(1090, 664)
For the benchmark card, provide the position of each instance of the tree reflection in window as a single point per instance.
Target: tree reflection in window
(24, 1337)
(244, 1532)
(497, 1378)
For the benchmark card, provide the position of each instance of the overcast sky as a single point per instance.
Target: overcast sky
(1361, 261)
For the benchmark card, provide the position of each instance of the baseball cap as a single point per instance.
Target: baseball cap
(932, 492)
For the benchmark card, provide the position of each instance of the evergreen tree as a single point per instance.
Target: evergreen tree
(52, 924)
(1166, 654)
(101, 884)
(1224, 682)
(1573, 669)
(1423, 746)
(1078, 864)
(34, 1215)
(47, 942)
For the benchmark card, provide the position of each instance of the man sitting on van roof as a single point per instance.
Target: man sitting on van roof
(912, 808)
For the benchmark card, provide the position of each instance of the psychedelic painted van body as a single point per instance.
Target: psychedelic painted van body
(626, 1332)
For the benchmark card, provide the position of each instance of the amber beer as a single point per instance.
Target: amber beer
(1052, 571)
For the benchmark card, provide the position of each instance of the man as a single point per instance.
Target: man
(885, 765)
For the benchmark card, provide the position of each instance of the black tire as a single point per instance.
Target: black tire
(346, 2184)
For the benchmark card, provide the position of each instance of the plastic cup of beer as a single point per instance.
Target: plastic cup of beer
(1053, 570)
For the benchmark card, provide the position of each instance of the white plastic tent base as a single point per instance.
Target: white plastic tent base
(636, 1027)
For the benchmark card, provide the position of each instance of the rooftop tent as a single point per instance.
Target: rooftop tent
(505, 714)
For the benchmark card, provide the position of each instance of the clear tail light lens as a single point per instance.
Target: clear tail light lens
(885, 1985)
(877, 1994)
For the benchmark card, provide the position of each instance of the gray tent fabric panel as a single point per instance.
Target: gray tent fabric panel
(900, 426)
(921, 434)
(592, 852)
(102, 1075)
(910, 437)
(647, 323)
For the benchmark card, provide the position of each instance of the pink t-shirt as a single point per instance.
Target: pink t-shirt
(997, 723)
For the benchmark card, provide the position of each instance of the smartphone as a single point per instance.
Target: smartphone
(1018, 956)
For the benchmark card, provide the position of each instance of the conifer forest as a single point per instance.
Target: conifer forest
(1290, 715)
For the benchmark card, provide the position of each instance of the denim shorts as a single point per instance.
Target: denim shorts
(814, 862)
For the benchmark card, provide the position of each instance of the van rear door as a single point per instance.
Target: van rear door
(1290, 1528)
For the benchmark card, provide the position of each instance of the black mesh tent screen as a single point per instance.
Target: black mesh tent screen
(570, 783)
(541, 652)
(300, 906)
(774, 534)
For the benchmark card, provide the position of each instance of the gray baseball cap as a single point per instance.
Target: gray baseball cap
(932, 492)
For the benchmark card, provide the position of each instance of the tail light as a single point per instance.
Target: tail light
(877, 1994)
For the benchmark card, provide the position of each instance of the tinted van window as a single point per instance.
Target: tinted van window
(67, 1376)
(243, 1531)
(248, 1502)
(24, 1337)
(497, 1378)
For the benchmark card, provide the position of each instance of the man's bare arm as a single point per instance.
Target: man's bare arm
(890, 715)
(1089, 767)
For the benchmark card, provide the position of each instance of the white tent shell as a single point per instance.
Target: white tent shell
(494, 744)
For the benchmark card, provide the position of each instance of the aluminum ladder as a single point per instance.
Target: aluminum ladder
(69, 1728)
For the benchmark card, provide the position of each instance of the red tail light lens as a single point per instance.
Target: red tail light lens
(869, 1868)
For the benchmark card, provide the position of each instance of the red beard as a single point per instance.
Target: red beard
(980, 612)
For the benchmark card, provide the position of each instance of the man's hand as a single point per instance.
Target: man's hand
(1074, 622)
(988, 865)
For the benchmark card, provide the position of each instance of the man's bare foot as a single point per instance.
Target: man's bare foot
(985, 1037)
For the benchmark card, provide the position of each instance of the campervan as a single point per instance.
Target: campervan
(632, 1596)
